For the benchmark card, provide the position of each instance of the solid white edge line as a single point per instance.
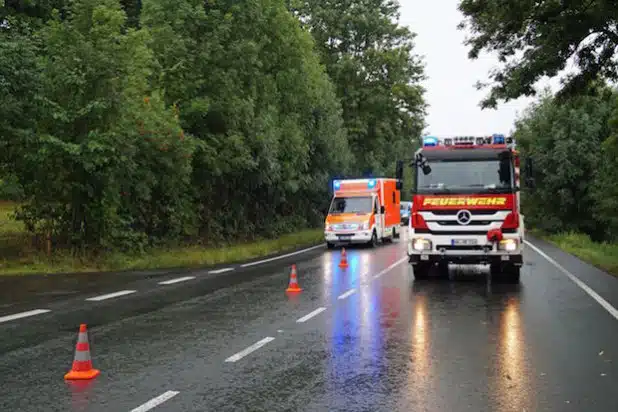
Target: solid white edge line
(238, 356)
(154, 402)
(177, 280)
(281, 257)
(594, 295)
(214, 272)
(20, 315)
(310, 315)
(111, 295)
(347, 294)
(391, 267)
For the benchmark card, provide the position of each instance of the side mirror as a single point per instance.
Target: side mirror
(399, 185)
(426, 169)
(382, 210)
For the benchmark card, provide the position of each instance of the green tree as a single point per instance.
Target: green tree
(565, 139)
(249, 85)
(87, 154)
(370, 58)
(535, 39)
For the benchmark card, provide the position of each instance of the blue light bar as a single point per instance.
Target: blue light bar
(430, 141)
(371, 184)
(337, 184)
(499, 138)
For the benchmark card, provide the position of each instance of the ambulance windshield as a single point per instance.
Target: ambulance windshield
(466, 176)
(351, 205)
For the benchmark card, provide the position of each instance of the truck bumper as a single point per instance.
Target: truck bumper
(477, 259)
(338, 238)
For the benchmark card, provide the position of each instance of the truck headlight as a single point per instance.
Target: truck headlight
(329, 228)
(509, 245)
(365, 226)
(420, 244)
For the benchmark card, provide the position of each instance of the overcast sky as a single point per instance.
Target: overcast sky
(454, 101)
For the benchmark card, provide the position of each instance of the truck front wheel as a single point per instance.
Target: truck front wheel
(422, 270)
(506, 274)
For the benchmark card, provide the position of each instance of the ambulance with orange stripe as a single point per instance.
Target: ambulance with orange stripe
(364, 211)
(466, 206)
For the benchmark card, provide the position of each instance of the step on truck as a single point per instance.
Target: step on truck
(466, 206)
(364, 211)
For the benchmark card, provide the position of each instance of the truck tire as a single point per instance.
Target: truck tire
(330, 245)
(396, 235)
(443, 270)
(506, 274)
(422, 271)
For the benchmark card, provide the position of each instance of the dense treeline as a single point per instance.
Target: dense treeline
(571, 135)
(129, 123)
(572, 143)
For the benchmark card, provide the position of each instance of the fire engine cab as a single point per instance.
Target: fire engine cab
(466, 206)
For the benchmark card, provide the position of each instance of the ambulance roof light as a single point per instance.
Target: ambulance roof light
(371, 183)
(430, 141)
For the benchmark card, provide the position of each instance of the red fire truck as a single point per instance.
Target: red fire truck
(466, 206)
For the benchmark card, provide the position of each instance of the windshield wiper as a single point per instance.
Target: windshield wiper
(490, 189)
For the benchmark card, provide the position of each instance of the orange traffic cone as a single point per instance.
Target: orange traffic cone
(293, 286)
(344, 259)
(82, 364)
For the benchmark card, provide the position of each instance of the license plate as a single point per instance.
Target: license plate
(344, 237)
(463, 242)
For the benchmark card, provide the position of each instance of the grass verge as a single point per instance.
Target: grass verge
(13, 238)
(601, 255)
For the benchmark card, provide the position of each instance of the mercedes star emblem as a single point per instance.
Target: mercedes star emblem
(464, 217)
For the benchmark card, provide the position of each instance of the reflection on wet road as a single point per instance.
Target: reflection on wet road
(372, 339)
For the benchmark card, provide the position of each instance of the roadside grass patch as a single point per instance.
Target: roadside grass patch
(19, 257)
(601, 255)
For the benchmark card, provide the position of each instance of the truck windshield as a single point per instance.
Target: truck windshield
(351, 205)
(469, 176)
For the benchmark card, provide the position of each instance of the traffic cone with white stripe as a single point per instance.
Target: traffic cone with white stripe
(344, 259)
(82, 364)
(293, 286)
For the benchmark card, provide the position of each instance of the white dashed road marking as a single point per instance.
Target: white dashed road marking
(310, 315)
(348, 293)
(214, 272)
(252, 348)
(23, 315)
(154, 402)
(111, 295)
(391, 267)
(177, 280)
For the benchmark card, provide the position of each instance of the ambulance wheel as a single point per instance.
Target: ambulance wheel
(396, 235)
(422, 271)
(330, 245)
(374, 239)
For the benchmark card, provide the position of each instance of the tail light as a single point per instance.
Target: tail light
(511, 221)
(418, 222)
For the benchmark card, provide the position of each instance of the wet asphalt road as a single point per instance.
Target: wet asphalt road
(378, 341)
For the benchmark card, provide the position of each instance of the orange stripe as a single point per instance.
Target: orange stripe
(82, 346)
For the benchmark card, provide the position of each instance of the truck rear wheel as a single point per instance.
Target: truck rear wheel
(330, 245)
(422, 270)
